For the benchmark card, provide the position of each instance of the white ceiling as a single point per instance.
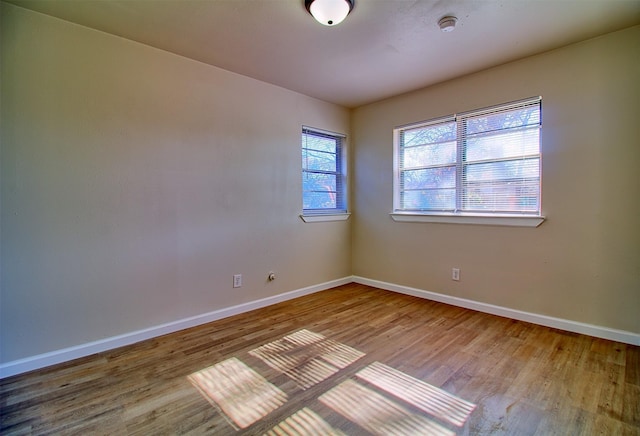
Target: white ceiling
(383, 48)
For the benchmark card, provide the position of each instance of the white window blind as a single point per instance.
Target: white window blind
(323, 175)
(482, 162)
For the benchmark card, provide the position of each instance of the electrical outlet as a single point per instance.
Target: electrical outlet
(455, 274)
(237, 280)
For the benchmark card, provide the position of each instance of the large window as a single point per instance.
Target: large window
(485, 162)
(323, 172)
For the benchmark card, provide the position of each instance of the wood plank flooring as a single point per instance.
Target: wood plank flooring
(352, 360)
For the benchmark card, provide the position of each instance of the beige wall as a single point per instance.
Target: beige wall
(583, 263)
(135, 183)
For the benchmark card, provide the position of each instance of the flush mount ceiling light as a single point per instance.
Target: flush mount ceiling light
(329, 12)
(447, 23)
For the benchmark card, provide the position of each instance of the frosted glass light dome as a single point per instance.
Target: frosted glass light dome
(329, 12)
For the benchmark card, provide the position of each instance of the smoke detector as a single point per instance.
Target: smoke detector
(447, 23)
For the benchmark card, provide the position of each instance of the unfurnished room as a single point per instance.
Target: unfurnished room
(305, 217)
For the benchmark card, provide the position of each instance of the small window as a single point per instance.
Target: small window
(323, 172)
(485, 162)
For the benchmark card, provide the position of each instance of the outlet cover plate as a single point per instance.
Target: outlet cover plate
(237, 280)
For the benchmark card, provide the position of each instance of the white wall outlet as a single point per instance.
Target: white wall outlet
(237, 280)
(455, 274)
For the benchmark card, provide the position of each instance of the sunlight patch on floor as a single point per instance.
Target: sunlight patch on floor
(241, 393)
(377, 398)
(378, 414)
(428, 398)
(304, 422)
(307, 357)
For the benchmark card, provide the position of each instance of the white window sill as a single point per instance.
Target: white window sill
(325, 217)
(493, 220)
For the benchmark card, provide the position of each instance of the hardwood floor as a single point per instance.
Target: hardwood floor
(350, 360)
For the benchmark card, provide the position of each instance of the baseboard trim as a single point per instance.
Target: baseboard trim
(21, 366)
(27, 364)
(547, 321)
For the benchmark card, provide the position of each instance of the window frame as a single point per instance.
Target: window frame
(459, 215)
(341, 211)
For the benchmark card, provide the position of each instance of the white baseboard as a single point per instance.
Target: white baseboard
(547, 321)
(64, 355)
